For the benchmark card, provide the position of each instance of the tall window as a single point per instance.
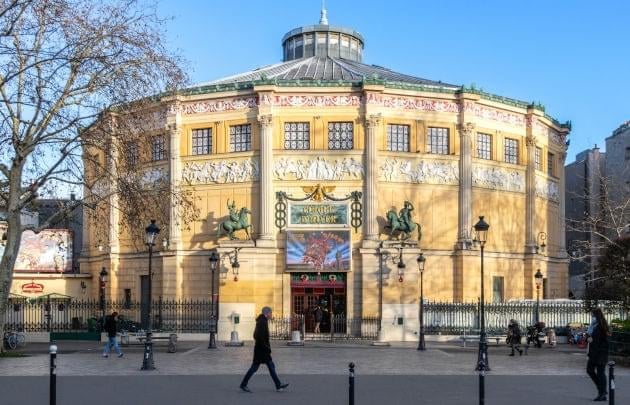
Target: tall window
(497, 289)
(538, 159)
(437, 141)
(240, 138)
(158, 150)
(550, 164)
(202, 141)
(628, 153)
(340, 135)
(398, 138)
(511, 150)
(297, 135)
(484, 146)
(132, 153)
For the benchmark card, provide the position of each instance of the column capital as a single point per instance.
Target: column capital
(530, 140)
(265, 120)
(466, 128)
(373, 120)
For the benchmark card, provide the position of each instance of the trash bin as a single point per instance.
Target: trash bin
(92, 325)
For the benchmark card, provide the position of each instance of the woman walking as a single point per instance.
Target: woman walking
(598, 333)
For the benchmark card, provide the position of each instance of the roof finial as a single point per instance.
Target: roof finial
(323, 19)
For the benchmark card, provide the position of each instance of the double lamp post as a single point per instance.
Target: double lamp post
(151, 233)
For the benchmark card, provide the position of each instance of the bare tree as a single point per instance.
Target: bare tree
(75, 74)
(600, 231)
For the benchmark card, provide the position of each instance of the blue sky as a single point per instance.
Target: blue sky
(572, 56)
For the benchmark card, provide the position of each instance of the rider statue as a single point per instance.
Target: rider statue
(237, 219)
(402, 222)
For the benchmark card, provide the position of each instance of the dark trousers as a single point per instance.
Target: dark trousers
(254, 368)
(597, 372)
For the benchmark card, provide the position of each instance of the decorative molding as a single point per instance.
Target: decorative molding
(547, 189)
(530, 141)
(314, 101)
(221, 171)
(210, 106)
(319, 168)
(423, 171)
(498, 178)
(141, 122)
(517, 120)
(412, 103)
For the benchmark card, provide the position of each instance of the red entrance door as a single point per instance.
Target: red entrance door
(309, 290)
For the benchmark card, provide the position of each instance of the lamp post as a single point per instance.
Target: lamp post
(481, 231)
(102, 283)
(421, 260)
(538, 277)
(212, 344)
(235, 265)
(151, 232)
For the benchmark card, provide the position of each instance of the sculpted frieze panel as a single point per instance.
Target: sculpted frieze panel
(210, 106)
(419, 171)
(313, 100)
(517, 120)
(547, 189)
(153, 176)
(319, 168)
(412, 103)
(498, 178)
(221, 171)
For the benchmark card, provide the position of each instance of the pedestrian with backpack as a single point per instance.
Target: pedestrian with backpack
(514, 337)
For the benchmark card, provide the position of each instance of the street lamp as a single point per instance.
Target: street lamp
(421, 260)
(151, 232)
(481, 236)
(538, 277)
(235, 265)
(401, 268)
(214, 259)
(540, 242)
(102, 283)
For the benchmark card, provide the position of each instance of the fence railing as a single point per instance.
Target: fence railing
(192, 316)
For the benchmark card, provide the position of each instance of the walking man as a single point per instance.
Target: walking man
(110, 328)
(262, 352)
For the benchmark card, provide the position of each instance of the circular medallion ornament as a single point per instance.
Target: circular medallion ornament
(303, 277)
(332, 278)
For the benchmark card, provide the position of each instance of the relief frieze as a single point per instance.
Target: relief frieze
(319, 168)
(547, 189)
(221, 171)
(498, 178)
(401, 170)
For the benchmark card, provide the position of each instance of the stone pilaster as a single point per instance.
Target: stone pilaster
(266, 181)
(175, 170)
(465, 185)
(562, 248)
(373, 124)
(530, 186)
(114, 217)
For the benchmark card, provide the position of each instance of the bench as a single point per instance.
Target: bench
(475, 338)
(127, 339)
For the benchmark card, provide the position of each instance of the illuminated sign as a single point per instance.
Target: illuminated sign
(329, 214)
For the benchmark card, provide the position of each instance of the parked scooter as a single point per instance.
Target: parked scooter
(536, 334)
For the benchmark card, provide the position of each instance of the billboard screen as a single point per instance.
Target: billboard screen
(49, 251)
(321, 250)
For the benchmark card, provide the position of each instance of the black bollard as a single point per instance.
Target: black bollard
(351, 384)
(482, 383)
(53, 373)
(611, 383)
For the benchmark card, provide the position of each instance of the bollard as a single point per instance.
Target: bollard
(351, 384)
(611, 383)
(482, 383)
(53, 373)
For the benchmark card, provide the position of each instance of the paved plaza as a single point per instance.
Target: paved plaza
(317, 372)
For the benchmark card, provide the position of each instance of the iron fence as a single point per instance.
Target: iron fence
(64, 315)
(456, 318)
(339, 328)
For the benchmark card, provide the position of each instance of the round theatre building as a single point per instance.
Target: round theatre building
(345, 171)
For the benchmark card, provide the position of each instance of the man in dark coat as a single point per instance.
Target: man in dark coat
(110, 328)
(262, 352)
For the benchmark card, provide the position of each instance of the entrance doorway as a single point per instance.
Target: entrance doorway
(326, 291)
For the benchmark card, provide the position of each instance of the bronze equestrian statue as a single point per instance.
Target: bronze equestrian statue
(402, 222)
(237, 220)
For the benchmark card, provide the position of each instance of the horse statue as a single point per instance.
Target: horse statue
(402, 222)
(237, 220)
